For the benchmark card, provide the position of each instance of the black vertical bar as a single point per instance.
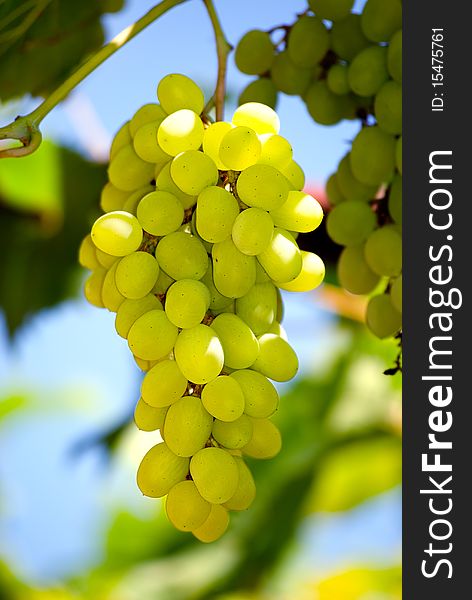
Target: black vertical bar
(426, 131)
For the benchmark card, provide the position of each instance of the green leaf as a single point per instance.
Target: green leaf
(361, 582)
(41, 42)
(356, 472)
(47, 204)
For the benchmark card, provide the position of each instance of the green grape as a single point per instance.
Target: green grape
(214, 526)
(288, 77)
(117, 233)
(104, 259)
(233, 435)
(165, 183)
(277, 359)
(131, 310)
(152, 336)
(239, 148)
(308, 42)
(112, 298)
(281, 259)
(258, 307)
(380, 19)
(383, 251)
(394, 57)
(254, 53)
(347, 37)
(350, 223)
(337, 79)
(215, 474)
(260, 396)
(180, 131)
(185, 508)
(275, 151)
(193, 171)
(199, 354)
(160, 470)
(182, 256)
(382, 318)
(395, 200)
(178, 91)
(266, 441)
(294, 175)
(187, 426)
(280, 306)
(223, 398)
(239, 343)
(354, 273)
(122, 138)
(212, 137)
(300, 212)
(246, 490)
(226, 309)
(349, 186)
(261, 275)
(262, 186)
(163, 384)
(333, 190)
(234, 273)
(332, 10)
(136, 275)
(112, 198)
(325, 107)
(388, 107)
(252, 231)
(193, 230)
(396, 293)
(310, 276)
(162, 284)
(146, 146)
(144, 365)
(368, 71)
(93, 287)
(148, 418)
(146, 114)
(187, 302)
(217, 300)
(259, 117)
(160, 213)
(131, 204)
(373, 156)
(87, 254)
(260, 90)
(398, 154)
(216, 211)
(128, 172)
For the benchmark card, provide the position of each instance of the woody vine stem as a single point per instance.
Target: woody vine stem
(26, 130)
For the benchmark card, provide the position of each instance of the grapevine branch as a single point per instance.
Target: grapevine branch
(26, 129)
(223, 48)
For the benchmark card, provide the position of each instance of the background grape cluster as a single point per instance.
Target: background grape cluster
(348, 66)
(196, 240)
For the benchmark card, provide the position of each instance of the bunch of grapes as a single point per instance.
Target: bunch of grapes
(348, 66)
(196, 240)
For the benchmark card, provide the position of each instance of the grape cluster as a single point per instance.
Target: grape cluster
(348, 66)
(196, 240)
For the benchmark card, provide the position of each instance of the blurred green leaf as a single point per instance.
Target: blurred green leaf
(47, 203)
(355, 473)
(11, 404)
(360, 583)
(42, 41)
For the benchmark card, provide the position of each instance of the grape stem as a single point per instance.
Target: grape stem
(25, 129)
(223, 48)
